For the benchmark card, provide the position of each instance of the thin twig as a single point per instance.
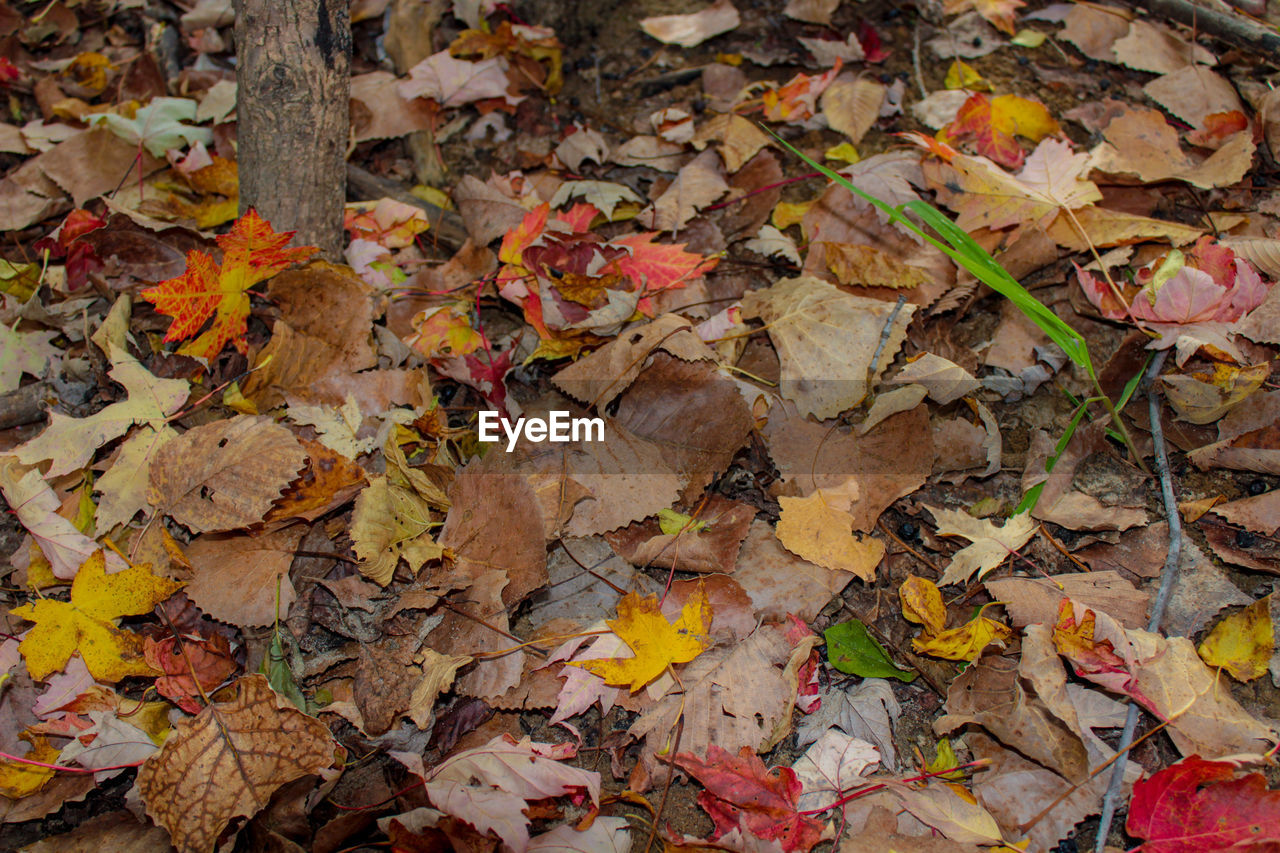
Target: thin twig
(1167, 576)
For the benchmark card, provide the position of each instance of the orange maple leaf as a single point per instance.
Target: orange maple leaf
(251, 253)
(992, 123)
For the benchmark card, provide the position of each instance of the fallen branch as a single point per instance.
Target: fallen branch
(1238, 30)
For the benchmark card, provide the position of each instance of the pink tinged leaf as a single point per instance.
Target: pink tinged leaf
(64, 687)
(1099, 293)
(1249, 292)
(581, 689)
(1191, 296)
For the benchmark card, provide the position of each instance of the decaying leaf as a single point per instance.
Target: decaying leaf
(88, 623)
(826, 340)
(227, 761)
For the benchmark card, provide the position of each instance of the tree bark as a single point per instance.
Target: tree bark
(294, 85)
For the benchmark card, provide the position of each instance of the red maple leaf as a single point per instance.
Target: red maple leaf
(658, 266)
(252, 253)
(743, 794)
(1198, 806)
(81, 256)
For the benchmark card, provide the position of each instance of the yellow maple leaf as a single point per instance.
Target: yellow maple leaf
(656, 642)
(922, 604)
(88, 622)
(822, 533)
(1242, 643)
(17, 779)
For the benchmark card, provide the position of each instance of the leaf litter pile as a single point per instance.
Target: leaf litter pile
(867, 541)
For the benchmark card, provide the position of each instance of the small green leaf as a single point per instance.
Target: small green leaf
(851, 649)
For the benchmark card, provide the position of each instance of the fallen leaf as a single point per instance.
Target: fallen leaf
(833, 765)
(1001, 13)
(454, 82)
(740, 139)
(488, 786)
(922, 604)
(243, 579)
(1202, 805)
(697, 184)
(194, 669)
(87, 623)
(870, 267)
(252, 253)
(1193, 94)
(852, 107)
(733, 697)
(33, 501)
(984, 195)
(990, 545)
(954, 815)
(851, 649)
(227, 761)
(1243, 643)
(656, 643)
(695, 28)
(1141, 143)
(778, 582)
(160, 125)
(1152, 47)
(820, 331)
(741, 793)
(71, 442)
(992, 123)
(1034, 600)
(867, 711)
(813, 529)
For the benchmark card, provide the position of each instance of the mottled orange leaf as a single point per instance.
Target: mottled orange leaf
(992, 123)
(251, 253)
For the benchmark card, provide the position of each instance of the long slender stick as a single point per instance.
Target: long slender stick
(1167, 576)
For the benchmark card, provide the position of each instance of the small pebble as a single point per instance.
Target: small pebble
(1023, 61)
(1257, 487)
(1104, 84)
(1245, 539)
(909, 531)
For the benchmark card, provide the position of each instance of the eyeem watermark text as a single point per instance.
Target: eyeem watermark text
(559, 426)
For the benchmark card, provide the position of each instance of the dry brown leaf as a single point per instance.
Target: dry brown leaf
(695, 414)
(390, 522)
(1263, 253)
(713, 548)
(604, 374)
(1248, 438)
(378, 111)
(890, 461)
(1059, 502)
(779, 582)
(479, 623)
(945, 380)
(693, 29)
(864, 265)
(852, 106)
(92, 163)
(227, 761)
(486, 212)
(825, 339)
(1143, 144)
(224, 475)
(644, 151)
(989, 545)
(697, 184)
(739, 138)
(237, 577)
(990, 694)
(331, 303)
(117, 832)
(1095, 29)
(817, 531)
(1035, 600)
(329, 481)
(1151, 47)
(881, 834)
(733, 697)
(811, 11)
(1260, 512)
(1193, 93)
(1105, 228)
(490, 527)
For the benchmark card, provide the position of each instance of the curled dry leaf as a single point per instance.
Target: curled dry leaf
(224, 475)
(228, 760)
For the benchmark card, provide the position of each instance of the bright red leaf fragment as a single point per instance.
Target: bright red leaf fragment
(1197, 806)
(743, 794)
(251, 253)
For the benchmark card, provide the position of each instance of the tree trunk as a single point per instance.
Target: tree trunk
(294, 78)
